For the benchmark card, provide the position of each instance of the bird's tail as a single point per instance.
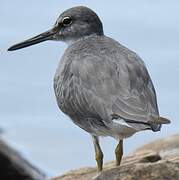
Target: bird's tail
(156, 122)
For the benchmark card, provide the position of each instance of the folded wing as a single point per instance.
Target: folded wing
(118, 88)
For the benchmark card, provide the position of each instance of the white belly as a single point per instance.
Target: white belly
(120, 129)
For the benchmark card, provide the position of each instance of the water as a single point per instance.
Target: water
(28, 111)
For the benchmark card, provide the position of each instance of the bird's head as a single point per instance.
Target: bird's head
(71, 25)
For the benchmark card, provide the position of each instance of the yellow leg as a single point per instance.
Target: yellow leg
(119, 152)
(98, 153)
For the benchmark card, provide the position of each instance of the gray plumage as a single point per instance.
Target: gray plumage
(98, 80)
(101, 85)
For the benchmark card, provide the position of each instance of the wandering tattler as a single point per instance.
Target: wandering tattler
(101, 85)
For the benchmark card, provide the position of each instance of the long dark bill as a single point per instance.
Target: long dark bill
(35, 40)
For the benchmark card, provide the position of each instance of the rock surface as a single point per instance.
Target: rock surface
(158, 160)
(14, 167)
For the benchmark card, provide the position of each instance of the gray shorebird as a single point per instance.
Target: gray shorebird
(101, 85)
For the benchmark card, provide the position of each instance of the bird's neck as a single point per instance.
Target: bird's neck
(69, 42)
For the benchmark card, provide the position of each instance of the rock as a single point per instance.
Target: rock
(158, 160)
(13, 166)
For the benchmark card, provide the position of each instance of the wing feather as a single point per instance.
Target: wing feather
(122, 87)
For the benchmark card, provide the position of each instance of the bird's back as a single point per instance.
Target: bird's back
(99, 78)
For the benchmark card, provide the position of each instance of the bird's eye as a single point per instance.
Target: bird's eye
(67, 21)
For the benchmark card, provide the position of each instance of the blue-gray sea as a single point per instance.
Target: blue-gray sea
(29, 114)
